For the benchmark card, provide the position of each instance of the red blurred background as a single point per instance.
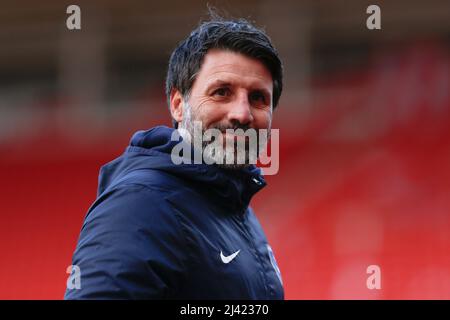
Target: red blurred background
(364, 138)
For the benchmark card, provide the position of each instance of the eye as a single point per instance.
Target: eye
(258, 97)
(222, 92)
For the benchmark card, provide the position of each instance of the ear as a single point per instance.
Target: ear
(176, 105)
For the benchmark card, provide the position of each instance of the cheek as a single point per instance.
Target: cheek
(209, 114)
(262, 119)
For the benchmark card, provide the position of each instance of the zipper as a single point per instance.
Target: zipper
(247, 234)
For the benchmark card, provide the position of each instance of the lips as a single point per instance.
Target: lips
(234, 137)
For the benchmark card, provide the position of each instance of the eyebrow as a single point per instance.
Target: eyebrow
(218, 83)
(225, 83)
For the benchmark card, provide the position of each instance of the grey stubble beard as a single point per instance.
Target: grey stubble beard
(188, 135)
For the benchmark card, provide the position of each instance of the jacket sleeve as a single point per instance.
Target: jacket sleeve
(131, 246)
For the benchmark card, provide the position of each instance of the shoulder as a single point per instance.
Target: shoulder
(132, 207)
(153, 179)
(131, 245)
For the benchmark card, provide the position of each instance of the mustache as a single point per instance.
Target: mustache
(235, 126)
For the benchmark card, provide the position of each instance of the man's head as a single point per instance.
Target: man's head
(227, 75)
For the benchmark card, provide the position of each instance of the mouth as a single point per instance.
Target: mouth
(234, 137)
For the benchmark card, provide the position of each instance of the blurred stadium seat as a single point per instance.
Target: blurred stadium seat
(364, 176)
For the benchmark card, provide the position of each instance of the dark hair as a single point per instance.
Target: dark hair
(236, 35)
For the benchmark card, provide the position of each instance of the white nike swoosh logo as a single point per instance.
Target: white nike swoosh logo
(228, 258)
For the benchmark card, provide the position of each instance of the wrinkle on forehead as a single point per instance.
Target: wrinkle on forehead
(228, 61)
(238, 78)
(234, 68)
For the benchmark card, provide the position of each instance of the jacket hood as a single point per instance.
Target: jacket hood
(151, 150)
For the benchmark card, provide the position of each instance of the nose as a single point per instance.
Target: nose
(241, 111)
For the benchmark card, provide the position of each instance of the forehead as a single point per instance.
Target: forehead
(236, 68)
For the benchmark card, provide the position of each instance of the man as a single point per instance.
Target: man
(160, 230)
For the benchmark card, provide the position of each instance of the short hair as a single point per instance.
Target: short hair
(239, 36)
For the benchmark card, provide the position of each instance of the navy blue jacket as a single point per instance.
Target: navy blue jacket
(158, 230)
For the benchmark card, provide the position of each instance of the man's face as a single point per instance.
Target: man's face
(231, 91)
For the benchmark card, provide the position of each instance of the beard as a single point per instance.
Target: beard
(237, 151)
